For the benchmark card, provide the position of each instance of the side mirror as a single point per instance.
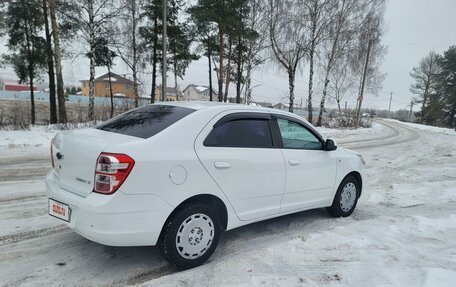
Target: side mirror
(330, 145)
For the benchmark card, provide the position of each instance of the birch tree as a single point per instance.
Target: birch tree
(348, 18)
(368, 54)
(93, 19)
(58, 62)
(257, 24)
(340, 82)
(287, 39)
(319, 19)
(50, 63)
(127, 44)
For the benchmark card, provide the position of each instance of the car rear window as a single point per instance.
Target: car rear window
(145, 122)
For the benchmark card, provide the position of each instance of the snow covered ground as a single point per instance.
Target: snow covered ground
(402, 233)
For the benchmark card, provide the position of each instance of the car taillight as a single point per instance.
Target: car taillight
(111, 171)
(52, 155)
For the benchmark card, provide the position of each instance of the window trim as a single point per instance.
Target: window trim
(244, 116)
(278, 134)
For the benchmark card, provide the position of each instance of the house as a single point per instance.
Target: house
(281, 106)
(14, 86)
(172, 94)
(120, 85)
(198, 93)
(263, 104)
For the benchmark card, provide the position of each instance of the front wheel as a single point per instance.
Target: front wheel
(346, 198)
(190, 236)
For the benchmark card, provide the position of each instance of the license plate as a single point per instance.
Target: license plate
(59, 210)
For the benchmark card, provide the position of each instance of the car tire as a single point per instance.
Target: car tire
(346, 197)
(190, 236)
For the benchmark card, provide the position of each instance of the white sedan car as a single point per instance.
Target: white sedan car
(175, 175)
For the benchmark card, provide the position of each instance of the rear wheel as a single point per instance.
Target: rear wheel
(346, 198)
(190, 236)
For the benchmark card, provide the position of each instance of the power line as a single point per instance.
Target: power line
(414, 44)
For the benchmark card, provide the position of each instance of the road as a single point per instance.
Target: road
(36, 250)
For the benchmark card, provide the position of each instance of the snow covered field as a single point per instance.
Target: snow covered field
(402, 233)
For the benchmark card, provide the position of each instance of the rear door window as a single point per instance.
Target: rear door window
(146, 121)
(249, 133)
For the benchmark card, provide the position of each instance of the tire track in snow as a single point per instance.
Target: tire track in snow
(12, 169)
(22, 198)
(400, 135)
(33, 234)
(391, 133)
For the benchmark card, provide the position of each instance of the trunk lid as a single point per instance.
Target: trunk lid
(75, 155)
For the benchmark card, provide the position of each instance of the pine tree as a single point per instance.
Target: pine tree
(180, 41)
(448, 86)
(426, 76)
(24, 22)
(104, 57)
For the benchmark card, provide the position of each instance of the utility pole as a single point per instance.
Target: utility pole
(163, 93)
(363, 83)
(389, 109)
(411, 110)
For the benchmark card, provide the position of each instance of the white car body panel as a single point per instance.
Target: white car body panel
(75, 171)
(173, 166)
(311, 178)
(253, 179)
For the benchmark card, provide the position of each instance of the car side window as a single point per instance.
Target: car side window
(241, 133)
(296, 136)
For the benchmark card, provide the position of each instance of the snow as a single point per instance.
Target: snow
(401, 234)
(26, 142)
(112, 79)
(426, 128)
(200, 89)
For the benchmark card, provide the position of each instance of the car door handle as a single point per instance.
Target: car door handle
(293, 162)
(222, 165)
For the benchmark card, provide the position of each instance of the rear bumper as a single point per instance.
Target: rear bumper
(115, 220)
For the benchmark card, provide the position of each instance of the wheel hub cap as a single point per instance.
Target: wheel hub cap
(194, 236)
(348, 197)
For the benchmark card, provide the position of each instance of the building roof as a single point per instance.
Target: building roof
(115, 78)
(199, 88)
(264, 104)
(12, 83)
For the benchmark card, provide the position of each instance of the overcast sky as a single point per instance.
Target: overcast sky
(414, 27)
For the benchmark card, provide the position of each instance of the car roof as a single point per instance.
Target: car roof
(204, 105)
(215, 107)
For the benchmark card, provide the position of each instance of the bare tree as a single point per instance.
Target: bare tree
(368, 54)
(255, 45)
(58, 62)
(340, 82)
(50, 63)
(287, 38)
(93, 19)
(319, 19)
(128, 46)
(426, 77)
(341, 30)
